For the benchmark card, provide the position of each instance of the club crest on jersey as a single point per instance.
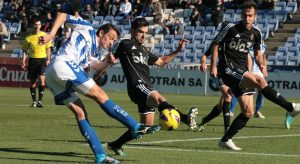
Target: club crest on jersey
(240, 46)
(140, 59)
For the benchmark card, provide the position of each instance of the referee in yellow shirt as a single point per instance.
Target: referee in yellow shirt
(39, 58)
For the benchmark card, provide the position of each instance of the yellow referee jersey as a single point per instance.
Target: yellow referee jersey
(32, 46)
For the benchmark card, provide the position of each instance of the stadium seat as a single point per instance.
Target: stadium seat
(209, 30)
(264, 33)
(198, 57)
(190, 48)
(189, 57)
(189, 38)
(291, 7)
(158, 49)
(168, 48)
(149, 46)
(150, 20)
(209, 39)
(169, 39)
(281, 16)
(230, 20)
(199, 39)
(17, 53)
(178, 13)
(179, 58)
(177, 38)
(15, 28)
(281, 51)
(109, 18)
(229, 13)
(158, 39)
(168, 11)
(271, 14)
(199, 30)
(292, 51)
(200, 48)
(261, 14)
(273, 24)
(272, 60)
(291, 42)
(280, 6)
(281, 60)
(97, 22)
(262, 23)
(187, 12)
(149, 39)
(293, 61)
(188, 30)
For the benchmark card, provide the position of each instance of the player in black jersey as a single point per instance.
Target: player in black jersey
(135, 60)
(224, 101)
(236, 41)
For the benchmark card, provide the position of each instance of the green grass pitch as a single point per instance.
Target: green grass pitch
(50, 135)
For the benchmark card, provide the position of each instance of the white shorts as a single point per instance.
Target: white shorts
(259, 73)
(64, 78)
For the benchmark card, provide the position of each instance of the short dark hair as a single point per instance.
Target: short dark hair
(107, 27)
(249, 4)
(138, 23)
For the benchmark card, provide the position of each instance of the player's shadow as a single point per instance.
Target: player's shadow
(25, 151)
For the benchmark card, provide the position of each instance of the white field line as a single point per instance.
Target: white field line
(208, 139)
(209, 151)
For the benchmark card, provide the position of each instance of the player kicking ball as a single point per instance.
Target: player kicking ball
(65, 75)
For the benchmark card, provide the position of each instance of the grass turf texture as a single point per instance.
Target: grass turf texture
(50, 135)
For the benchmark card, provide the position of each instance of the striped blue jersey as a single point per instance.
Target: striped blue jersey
(81, 43)
(255, 67)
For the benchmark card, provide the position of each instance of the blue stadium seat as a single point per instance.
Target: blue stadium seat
(199, 30)
(291, 7)
(292, 51)
(229, 13)
(264, 33)
(178, 13)
(281, 60)
(189, 57)
(261, 14)
(179, 58)
(272, 60)
(168, 48)
(262, 23)
(189, 48)
(238, 15)
(177, 38)
(189, 38)
(281, 16)
(158, 39)
(169, 39)
(293, 61)
(158, 49)
(271, 14)
(209, 39)
(201, 48)
(291, 42)
(109, 18)
(15, 28)
(187, 12)
(280, 6)
(17, 53)
(199, 39)
(273, 24)
(188, 30)
(210, 30)
(230, 20)
(281, 51)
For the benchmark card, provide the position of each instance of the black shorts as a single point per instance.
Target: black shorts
(36, 67)
(139, 95)
(232, 78)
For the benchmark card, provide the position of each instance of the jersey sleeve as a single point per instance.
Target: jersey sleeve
(77, 23)
(258, 40)
(223, 32)
(119, 50)
(152, 58)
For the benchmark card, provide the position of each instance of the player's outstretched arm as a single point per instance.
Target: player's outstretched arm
(60, 19)
(215, 54)
(101, 66)
(163, 60)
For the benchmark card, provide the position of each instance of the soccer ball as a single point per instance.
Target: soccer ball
(169, 119)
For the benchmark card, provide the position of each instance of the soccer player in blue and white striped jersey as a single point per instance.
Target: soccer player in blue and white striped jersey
(66, 74)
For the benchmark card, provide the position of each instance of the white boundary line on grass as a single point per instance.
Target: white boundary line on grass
(210, 151)
(206, 139)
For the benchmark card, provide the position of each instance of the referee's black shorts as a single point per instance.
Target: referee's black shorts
(232, 77)
(36, 67)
